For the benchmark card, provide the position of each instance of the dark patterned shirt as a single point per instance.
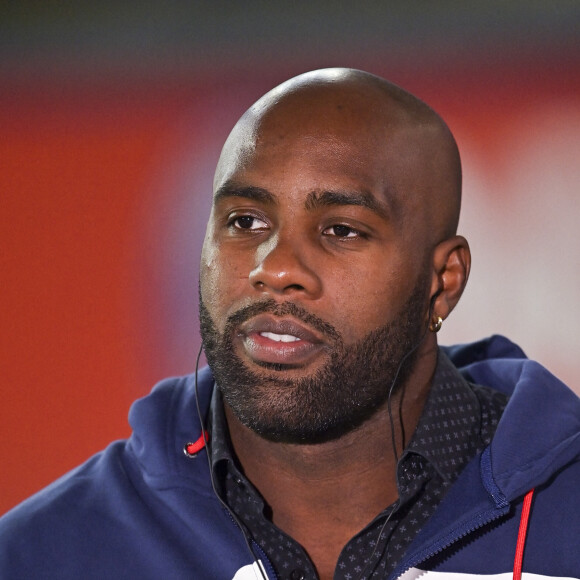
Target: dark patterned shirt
(457, 422)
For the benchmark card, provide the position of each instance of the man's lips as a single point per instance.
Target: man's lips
(267, 323)
(284, 341)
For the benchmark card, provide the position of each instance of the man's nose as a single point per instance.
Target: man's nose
(285, 266)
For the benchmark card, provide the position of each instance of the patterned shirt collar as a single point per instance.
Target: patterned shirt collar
(447, 434)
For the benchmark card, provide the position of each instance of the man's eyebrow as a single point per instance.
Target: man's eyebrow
(231, 189)
(366, 199)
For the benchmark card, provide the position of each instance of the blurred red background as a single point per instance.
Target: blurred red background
(104, 188)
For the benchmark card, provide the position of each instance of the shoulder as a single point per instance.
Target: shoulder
(62, 515)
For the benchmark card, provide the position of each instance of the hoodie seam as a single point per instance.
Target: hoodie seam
(548, 468)
(170, 431)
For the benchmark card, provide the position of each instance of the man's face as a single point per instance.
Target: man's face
(311, 294)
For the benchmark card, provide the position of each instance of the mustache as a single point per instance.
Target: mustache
(270, 306)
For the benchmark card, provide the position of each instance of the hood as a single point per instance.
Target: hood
(539, 431)
(164, 423)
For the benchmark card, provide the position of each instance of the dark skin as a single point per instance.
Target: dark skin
(393, 169)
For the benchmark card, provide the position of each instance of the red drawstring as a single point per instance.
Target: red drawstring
(522, 535)
(191, 449)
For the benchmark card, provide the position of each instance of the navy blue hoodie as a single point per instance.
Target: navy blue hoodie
(143, 509)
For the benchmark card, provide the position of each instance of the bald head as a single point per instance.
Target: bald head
(368, 123)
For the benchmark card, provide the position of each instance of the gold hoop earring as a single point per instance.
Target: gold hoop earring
(436, 323)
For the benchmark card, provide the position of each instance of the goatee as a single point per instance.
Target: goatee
(339, 396)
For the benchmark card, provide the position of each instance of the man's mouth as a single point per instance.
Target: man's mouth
(284, 341)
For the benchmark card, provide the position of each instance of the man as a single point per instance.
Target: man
(332, 437)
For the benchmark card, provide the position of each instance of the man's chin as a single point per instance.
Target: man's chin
(303, 433)
(282, 410)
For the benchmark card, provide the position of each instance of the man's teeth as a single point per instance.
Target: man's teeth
(279, 337)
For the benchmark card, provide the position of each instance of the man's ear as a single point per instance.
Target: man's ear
(451, 265)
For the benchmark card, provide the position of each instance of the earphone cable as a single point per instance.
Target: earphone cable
(236, 519)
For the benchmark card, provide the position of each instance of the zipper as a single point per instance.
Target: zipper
(264, 562)
(501, 508)
(457, 534)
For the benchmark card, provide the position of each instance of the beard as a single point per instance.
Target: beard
(346, 391)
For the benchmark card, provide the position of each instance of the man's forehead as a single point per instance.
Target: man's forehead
(376, 161)
(321, 153)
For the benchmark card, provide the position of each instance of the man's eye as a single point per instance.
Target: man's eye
(247, 222)
(341, 232)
